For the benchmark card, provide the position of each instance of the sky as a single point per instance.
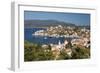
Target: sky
(75, 18)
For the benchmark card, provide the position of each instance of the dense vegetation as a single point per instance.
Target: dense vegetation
(35, 52)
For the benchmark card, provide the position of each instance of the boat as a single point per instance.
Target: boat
(45, 37)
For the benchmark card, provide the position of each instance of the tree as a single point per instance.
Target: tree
(80, 52)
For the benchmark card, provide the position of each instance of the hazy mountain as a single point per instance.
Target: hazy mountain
(44, 23)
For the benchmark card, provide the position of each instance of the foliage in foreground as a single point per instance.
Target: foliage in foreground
(35, 52)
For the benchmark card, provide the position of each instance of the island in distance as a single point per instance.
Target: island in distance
(44, 23)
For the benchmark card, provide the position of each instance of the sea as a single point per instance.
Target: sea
(42, 39)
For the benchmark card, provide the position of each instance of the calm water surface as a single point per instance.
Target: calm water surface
(42, 39)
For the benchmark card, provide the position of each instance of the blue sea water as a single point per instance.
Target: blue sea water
(41, 39)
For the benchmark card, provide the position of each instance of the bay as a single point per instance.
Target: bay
(42, 39)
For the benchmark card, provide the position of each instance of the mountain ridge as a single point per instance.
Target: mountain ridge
(45, 23)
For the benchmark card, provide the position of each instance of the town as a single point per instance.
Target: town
(80, 39)
(77, 48)
(61, 31)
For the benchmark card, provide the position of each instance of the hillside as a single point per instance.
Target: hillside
(44, 23)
